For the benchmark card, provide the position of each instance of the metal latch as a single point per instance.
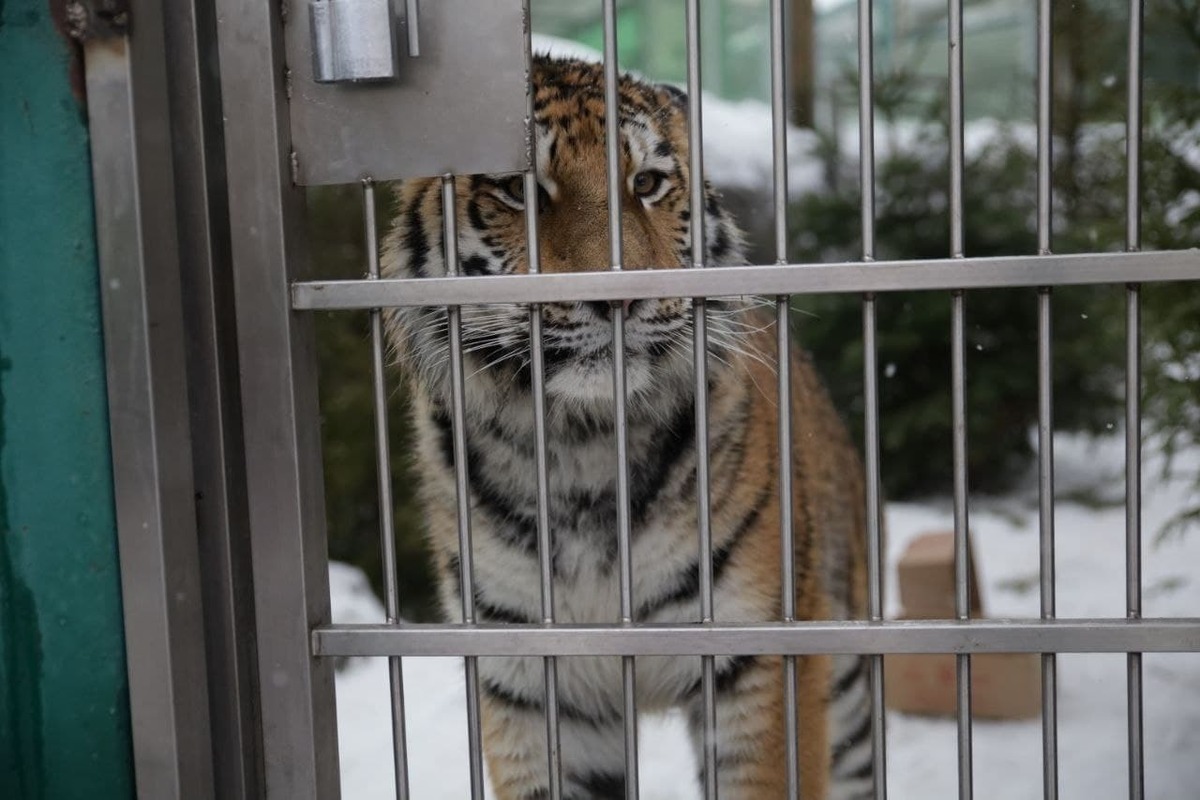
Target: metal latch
(353, 40)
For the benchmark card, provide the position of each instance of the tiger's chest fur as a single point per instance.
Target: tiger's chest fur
(582, 515)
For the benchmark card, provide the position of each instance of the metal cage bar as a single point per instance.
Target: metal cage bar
(1173, 635)
(462, 485)
(783, 329)
(612, 143)
(962, 574)
(276, 353)
(1133, 413)
(958, 396)
(1046, 541)
(770, 280)
(537, 368)
(202, 209)
(708, 680)
(144, 342)
(871, 433)
(1045, 211)
(387, 516)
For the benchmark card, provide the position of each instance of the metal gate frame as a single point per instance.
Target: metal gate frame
(162, 228)
(269, 674)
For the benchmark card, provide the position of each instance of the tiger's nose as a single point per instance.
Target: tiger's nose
(603, 308)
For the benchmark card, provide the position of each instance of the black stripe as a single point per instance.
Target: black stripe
(441, 420)
(475, 215)
(849, 677)
(486, 610)
(687, 584)
(415, 241)
(725, 679)
(864, 770)
(475, 265)
(505, 695)
(861, 731)
(728, 677)
(513, 527)
(490, 612)
(601, 785)
(647, 480)
(721, 244)
(486, 349)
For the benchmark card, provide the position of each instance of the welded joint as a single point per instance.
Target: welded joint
(92, 20)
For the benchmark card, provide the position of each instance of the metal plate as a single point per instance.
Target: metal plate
(459, 107)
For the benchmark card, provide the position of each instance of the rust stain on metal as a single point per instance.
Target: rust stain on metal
(82, 21)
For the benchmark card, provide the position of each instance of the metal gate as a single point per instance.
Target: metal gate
(261, 388)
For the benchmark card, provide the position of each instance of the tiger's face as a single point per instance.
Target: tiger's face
(572, 206)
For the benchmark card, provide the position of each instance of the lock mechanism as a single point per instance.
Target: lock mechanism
(353, 40)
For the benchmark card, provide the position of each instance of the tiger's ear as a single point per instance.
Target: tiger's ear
(675, 96)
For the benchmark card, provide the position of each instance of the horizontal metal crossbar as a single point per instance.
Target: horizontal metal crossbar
(799, 638)
(877, 276)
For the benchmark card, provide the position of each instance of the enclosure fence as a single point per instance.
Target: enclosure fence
(293, 637)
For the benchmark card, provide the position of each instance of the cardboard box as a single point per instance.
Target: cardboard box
(1003, 685)
(926, 576)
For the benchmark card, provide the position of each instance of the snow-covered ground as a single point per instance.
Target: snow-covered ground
(921, 752)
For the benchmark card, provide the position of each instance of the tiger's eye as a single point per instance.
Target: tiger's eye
(647, 183)
(516, 188)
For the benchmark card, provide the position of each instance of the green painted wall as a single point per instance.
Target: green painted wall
(64, 717)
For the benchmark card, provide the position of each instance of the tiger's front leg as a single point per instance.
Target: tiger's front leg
(591, 744)
(751, 740)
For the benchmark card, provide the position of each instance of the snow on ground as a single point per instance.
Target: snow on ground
(921, 752)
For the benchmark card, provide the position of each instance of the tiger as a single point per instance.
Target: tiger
(833, 701)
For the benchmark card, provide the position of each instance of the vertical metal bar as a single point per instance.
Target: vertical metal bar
(866, 148)
(412, 14)
(874, 539)
(1133, 133)
(866, 125)
(779, 151)
(783, 327)
(612, 137)
(961, 550)
(1045, 132)
(1046, 531)
(1133, 532)
(961, 544)
(1133, 411)
(276, 351)
(387, 522)
(612, 131)
(700, 360)
(537, 367)
(462, 488)
(956, 127)
(134, 189)
(545, 544)
(210, 340)
(1045, 397)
